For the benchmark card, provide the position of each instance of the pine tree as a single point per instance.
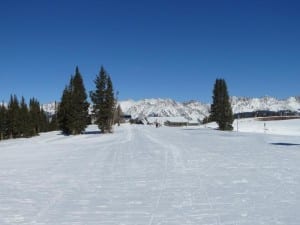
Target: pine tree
(104, 102)
(53, 123)
(79, 103)
(35, 115)
(65, 113)
(221, 111)
(110, 104)
(24, 119)
(53, 120)
(3, 121)
(73, 116)
(43, 121)
(13, 125)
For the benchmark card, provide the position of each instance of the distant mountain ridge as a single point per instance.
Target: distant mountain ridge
(165, 107)
(194, 110)
(242, 104)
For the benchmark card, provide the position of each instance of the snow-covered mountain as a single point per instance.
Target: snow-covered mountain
(50, 108)
(165, 107)
(198, 110)
(242, 104)
(195, 110)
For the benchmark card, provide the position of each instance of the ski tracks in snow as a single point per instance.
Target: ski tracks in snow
(141, 175)
(86, 167)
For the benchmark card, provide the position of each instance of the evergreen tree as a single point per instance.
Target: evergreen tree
(104, 102)
(3, 121)
(53, 123)
(43, 121)
(34, 115)
(110, 104)
(53, 120)
(24, 119)
(221, 111)
(65, 113)
(73, 116)
(79, 104)
(17, 120)
(13, 123)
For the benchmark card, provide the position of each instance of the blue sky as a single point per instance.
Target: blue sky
(168, 49)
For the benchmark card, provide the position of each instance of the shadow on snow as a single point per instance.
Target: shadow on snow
(83, 133)
(285, 144)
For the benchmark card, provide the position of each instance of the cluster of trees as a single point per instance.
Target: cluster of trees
(17, 119)
(73, 111)
(72, 116)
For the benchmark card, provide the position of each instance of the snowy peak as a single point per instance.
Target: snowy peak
(165, 108)
(50, 108)
(242, 104)
(195, 110)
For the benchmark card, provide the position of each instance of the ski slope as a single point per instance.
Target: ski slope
(142, 175)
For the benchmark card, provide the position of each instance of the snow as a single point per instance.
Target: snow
(242, 104)
(144, 175)
(165, 108)
(195, 110)
(283, 127)
(162, 120)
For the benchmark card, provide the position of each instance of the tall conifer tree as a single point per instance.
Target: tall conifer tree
(110, 104)
(73, 110)
(104, 102)
(24, 119)
(65, 113)
(13, 125)
(3, 121)
(35, 115)
(221, 111)
(79, 103)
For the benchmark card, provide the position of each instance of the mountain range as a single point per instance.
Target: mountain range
(194, 110)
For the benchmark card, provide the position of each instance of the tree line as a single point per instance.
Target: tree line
(18, 119)
(72, 116)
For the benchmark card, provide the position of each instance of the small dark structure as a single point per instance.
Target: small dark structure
(176, 122)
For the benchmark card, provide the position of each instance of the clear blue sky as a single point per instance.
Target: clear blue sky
(168, 49)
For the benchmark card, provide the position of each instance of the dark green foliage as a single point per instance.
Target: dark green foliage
(104, 101)
(53, 123)
(72, 113)
(206, 120)
(13, 122)
(221, 111)
(53, 120)
(24, 118)
(43, 121)
(79, 104)
(17, 120)
(3, 121)
(35, 116)
(64, 114)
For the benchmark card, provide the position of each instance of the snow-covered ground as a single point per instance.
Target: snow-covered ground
(253, 125)
(142, 175)
(284, 127)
